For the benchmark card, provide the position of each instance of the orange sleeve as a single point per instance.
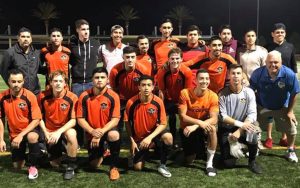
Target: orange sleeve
(112, 76)
(126, 111)
(194, 60)
(214, 107)
(79, 112)
(160, 78)
(116, 110)
(189, 77)
(182, 99)
(75, 103)
(163, 116)
(35, 109)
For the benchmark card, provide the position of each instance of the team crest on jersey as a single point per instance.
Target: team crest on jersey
(136, 79)
(151, 110)
(219, 69)
(281, 84)
(63, 106)
(231, 50)
(171, 45)
(149, 60)
(103, 106)
(63, 57)
(22, 106)
(243, 100)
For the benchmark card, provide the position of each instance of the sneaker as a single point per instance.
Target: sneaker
(283, 142)
(268, 143)
(291, 156)
(32, 173)
(164, 171)
(114, 174)
(69, 174)
(255, 168)
(211, 171)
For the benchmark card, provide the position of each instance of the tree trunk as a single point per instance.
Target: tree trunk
(127, 28)
(47, 27)
(179, 27)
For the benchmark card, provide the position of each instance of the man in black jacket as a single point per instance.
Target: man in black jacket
(83, 59)
(24, 57)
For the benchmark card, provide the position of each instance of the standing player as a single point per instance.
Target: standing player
(143, 56)
(98, 113)
(23, 114)
(58, 109)
(146, 122)
(198, 110)
(238, 115)
(230, 45)
(170, 82)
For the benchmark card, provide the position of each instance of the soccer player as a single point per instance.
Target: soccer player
(230, 45)
(98, 113)
(23, 114)
(143, 56)
(56, 56)
(198, 112)
(276, 88)
(58, 108)
(237, 120)
(145, 119)
(215, 62)
(170, 82)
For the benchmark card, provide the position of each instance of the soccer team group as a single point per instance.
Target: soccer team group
(224, 94)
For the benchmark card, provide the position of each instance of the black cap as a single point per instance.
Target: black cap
(279, 26)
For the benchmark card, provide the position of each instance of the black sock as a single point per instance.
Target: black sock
(164, 153)
(34, 153)
(115, 151)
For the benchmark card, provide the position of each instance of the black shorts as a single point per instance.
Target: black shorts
(20, 153)
(195, 143)
(142, 154)
(171, 107)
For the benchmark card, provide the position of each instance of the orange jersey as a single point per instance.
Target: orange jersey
(125, 83)
(216, 68)
(57, 111)
(198, 107)
(172, 83)
(98, 110)
(144, 117)
(56, 60)
(20, 111)
(161, 50)
(146, 60)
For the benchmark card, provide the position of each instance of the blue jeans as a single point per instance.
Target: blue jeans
(79, 88)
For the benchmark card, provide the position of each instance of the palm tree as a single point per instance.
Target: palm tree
(46, 11)
(180, 13)
(127, 13)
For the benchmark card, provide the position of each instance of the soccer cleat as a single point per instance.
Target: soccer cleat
(283, 142)
(211, 171)
(69, 174)
(164, 171)
(32, 173)
(291, 156)
(268, 143)
(114, 174)
(254, 167)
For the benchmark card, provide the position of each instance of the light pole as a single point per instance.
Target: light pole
(257, 17)
(229, 11)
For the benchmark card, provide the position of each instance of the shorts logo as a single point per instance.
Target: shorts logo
(63, 57)
(219, 69)
(151, 110)
(22, 106)
(136, 79)
(281, 84)
(243, 100)
(63, 106)
(103, 106)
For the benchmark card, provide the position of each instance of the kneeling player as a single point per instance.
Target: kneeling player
(23, 114)
(145, 119)
(58, 109)
(198, 110)
(98, 114)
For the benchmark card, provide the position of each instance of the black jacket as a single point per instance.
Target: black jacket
(84, 58)
(29, 64)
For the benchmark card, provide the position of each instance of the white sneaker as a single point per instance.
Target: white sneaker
(164, 171)
(292, 157)
(32, 173)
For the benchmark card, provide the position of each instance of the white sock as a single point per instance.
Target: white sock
(210, 157)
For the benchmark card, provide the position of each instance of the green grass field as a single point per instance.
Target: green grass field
(277, 172)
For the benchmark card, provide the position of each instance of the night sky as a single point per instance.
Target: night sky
(207, 13)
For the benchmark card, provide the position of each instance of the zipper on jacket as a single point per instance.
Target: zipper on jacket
(84, 63)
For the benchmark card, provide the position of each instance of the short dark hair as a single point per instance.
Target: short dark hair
(14, 72)
(175, 50)
(145, 77)
(24, 29)
(234, 66)
(129, 49)
(193, 28)
(141, 37)
(166, 20)
(100, 70)
(55, 29)
(225, 26)
(249, 30)
(279, 26)
(213, 38)
(80, 22)
(201, 71)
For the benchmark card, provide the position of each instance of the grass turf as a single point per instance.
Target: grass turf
(277, 172)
